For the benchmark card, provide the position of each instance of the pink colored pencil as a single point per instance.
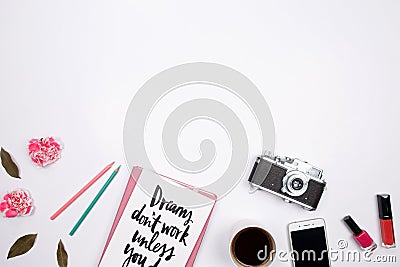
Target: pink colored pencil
(91, 182)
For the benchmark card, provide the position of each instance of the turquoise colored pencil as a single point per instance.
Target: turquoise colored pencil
(94, 201)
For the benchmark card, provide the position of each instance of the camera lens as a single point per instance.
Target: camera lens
(297, 184)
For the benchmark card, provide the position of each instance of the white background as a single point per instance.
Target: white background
(329, 71)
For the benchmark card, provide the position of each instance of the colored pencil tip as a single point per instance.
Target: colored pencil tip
(112, 163)
(117, 169)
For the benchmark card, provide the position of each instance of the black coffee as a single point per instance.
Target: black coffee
(247, 244)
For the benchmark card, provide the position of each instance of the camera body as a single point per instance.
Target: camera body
(292, 179)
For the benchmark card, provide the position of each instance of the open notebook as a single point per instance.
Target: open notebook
(157, 226)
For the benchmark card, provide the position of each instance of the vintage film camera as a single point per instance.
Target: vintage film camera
(292, 179)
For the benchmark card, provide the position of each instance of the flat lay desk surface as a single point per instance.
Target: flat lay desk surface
(329, 71)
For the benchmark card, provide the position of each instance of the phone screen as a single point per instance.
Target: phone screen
(309, 247)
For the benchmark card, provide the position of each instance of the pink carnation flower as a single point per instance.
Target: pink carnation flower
(16, 203)
(44, 151)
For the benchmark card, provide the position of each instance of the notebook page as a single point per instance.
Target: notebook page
(157, 228)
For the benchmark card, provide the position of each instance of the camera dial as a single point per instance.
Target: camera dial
(295, 183)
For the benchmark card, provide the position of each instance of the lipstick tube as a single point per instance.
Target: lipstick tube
(386, 221)
(360, 236)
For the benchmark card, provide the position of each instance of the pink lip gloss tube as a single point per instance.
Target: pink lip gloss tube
(361, 236)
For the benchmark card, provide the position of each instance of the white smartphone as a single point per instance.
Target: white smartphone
(309, 245)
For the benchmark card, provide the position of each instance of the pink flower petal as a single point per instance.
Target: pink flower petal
(28, 211)
(3, 206)
(11, 213)
(33, 147)
(33, 141)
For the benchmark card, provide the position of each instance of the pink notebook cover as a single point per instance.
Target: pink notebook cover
(133, 178)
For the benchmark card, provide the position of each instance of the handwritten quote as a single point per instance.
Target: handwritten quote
(155, 224)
